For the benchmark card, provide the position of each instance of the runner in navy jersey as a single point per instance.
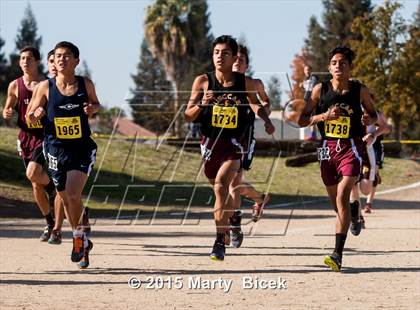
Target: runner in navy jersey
(67, 101)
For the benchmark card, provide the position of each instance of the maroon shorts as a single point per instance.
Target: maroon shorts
(339, 158)
(29, 147)
(216, 152)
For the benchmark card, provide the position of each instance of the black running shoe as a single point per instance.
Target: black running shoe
(356, 224)
(218, 252)
(236, 234)
(333, 261)
(46, 234)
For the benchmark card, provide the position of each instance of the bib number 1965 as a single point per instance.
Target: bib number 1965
(68, 127)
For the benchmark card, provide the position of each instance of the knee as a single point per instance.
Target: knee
(73, 198)
(31, 174)
(365, 188)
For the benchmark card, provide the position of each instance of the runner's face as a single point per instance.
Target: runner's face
(307, 71)
(339, 67)
(27, 62)
(51, 66)
(64, 60)
(222, 57)
(240, 64)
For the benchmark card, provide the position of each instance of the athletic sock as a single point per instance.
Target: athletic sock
(354, 208)
(220, 238)
(340, 240)
(50, 220)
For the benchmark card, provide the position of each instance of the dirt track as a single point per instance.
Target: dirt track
(381, 266)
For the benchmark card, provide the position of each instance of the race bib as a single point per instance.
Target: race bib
(34, 125)
(323, 153)
(224, 117)
(68, 127)
(338, 128)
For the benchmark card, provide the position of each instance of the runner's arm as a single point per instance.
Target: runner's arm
(256, 105)
(93, 105)
(306, 118)
(197, 101)
(30, 102)
(383, 127)
(262, 94)
(11, 100)
(39, 98)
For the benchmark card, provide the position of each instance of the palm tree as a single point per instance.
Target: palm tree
(167, 32)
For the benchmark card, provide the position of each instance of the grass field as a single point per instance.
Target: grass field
(168, 176)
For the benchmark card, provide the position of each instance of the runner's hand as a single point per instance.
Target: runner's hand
(38, 113)
(369, 139)
(208, 95)
(269, 127)
(332, 113)
(7, 113)
(89, 109)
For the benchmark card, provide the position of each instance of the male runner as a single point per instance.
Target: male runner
(67, 101)
(372, 157)
(223, 113)
(31, 136)
(245, 188)
(307, 86)
(338, 113)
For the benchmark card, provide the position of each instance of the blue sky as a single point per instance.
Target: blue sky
(109, 33)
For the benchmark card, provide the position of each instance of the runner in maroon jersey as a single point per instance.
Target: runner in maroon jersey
(336, 107)
(31, 136)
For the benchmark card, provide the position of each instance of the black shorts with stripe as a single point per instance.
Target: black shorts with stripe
(64, 158)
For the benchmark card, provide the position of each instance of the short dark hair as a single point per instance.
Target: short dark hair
(229, 40)
(65, 44)
(243, 50)
(50, 53)
(344, 50)
(35, 52)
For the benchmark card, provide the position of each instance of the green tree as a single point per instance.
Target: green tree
(381, 60)
(26, 35)
(408, 78)
(337, 19)
(3, 70)
(199, 46)
(274, 92)
(152, 96)
(315, 46)
(298, 76)
(177, 32)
